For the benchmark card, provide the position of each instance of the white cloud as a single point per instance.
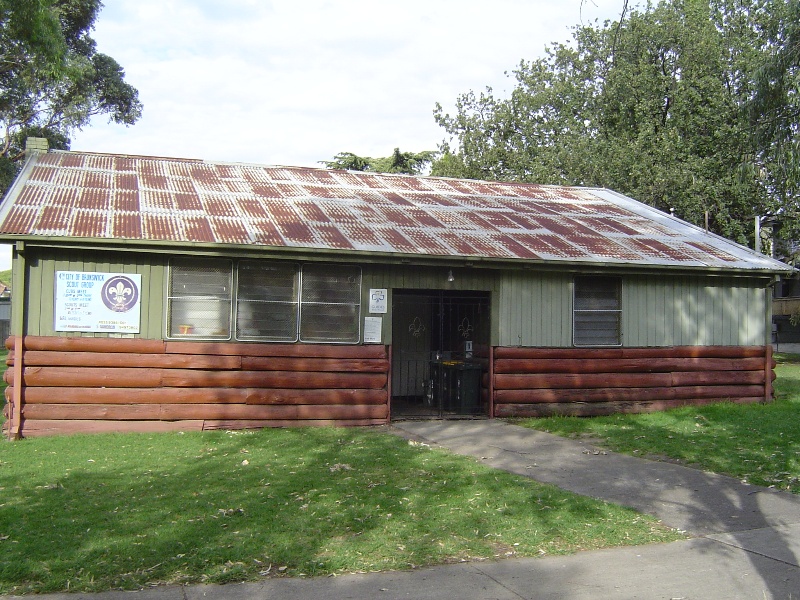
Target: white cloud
(295, 82)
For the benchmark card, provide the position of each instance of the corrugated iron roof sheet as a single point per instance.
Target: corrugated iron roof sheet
(102, 196)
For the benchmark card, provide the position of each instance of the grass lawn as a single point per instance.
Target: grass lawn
(758, 443)
(91, 513)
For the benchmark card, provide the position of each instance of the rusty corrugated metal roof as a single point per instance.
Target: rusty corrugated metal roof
(102, 196)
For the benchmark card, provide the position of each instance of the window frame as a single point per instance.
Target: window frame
(356, 305)
(234, 301)
(170, 297)
(618, 283)
(295, 303)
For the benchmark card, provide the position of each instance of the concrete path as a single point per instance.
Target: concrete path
(746, 544)
(748, 537)
(695, 501)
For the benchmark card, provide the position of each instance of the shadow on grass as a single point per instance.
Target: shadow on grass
(98, 512)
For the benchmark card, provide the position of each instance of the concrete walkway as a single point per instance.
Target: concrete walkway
(695, 501)
(746, 544)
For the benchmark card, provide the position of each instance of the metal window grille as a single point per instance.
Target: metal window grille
(330, 304)
(597, 311)
(266, 301)
(199, 301)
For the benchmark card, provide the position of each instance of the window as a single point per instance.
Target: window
(597, 311)
(266, 301)
(272, 302)
(199, 300)
(330, 308)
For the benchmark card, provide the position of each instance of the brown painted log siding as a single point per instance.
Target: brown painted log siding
(587, 382)
(81, 384)
(101, 384)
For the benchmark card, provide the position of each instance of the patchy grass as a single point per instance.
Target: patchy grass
(92, 513)
(759, 443)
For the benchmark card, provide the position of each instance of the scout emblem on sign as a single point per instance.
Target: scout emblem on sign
(120, 293)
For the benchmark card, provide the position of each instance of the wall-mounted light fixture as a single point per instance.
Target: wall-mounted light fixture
(450, 277)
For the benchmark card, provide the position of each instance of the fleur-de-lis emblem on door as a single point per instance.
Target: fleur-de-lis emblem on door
(465, 328)
(417, 327)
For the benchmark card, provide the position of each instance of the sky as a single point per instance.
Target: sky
(294, 82)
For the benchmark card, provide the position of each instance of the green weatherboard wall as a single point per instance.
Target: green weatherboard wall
(528, 307)
(40, 283)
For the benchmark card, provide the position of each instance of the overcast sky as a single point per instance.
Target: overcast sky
(293, 82)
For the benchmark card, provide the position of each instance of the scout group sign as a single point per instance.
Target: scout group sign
(98, 302)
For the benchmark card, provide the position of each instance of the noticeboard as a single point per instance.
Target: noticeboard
(373, 326)
(97, 302)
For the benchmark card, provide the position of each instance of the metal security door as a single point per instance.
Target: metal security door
(439, 340)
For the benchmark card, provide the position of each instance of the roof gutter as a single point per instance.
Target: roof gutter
(373, 257)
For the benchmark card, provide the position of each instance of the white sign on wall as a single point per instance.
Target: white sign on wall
(372, 330)
(377, 301)
(97, 302)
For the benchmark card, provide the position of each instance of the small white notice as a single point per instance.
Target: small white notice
(372, 330)
(377, 301)
(98, 302)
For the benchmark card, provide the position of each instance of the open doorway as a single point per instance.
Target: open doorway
(440, 342)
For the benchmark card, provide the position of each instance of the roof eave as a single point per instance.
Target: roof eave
(19, 182)
(377, 257)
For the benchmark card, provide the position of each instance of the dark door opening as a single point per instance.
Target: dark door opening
(440, 343)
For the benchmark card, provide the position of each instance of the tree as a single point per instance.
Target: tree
(411, 163)
(650, 106)
(347, 161)
(52, 78)
(774, 111)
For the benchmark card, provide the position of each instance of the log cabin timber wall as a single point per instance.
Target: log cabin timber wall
(83, 384)
(535, 382)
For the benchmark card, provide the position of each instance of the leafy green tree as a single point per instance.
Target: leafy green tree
(451, 164)
(347, 161)
(774, 111)
(52, 78)
(650, 106)
(411, 163)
